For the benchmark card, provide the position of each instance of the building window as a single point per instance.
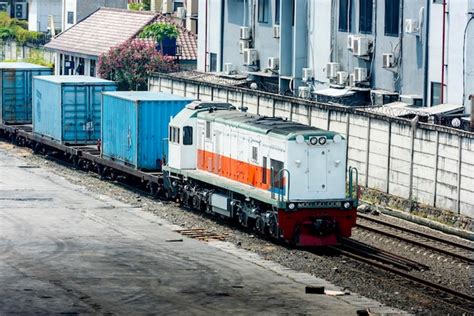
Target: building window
(277, 12)
(262, 11)
(345, 15)
(187, 135)
(80, 67)
(70, 17)
(365, 16)
(435, 93)
(392, 17)
(92, 70)
(212, 62)
(208, 130)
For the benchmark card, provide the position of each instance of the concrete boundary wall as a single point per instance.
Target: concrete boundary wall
(429, 164)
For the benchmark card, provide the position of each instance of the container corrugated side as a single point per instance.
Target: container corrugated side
(69, 113)
(16, 94)
(134, 132)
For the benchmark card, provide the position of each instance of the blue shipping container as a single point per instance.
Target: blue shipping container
(16, 91)
(67, 108)
(135, 126)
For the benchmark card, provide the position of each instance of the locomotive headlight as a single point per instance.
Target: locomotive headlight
(347, 205)
(322, 141)
(337, 138)
(291, 206)
(313, 140)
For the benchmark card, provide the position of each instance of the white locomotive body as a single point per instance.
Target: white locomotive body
(285, 178)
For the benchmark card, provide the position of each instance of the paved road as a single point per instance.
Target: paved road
(64, 249)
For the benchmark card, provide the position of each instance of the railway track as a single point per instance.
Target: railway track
(450, 248)
(402, 267)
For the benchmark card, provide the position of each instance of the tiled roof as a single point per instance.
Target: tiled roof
(108, 27)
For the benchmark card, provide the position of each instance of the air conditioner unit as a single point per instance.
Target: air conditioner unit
(167, 6)
(276, 31)
(304, 92)
(350, 42)
(360, 74)
(388, 60)
(382, 97)
(331, 70)
(229, 68)
(181, 13)
(250, 57)
(307, 74)
(351, 80)
(411, 26)
(412, 100)
(3, 6)
(273, 63)
(244, 33)
(243, 45)
(360, 46)
(341, 77)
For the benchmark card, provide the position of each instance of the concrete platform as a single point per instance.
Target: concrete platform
(64, 249)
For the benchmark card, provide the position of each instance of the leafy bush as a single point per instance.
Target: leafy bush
(36, 56)
(135, 6)
(130, 64)
(16, 29)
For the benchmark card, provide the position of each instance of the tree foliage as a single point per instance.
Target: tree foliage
(130, 64)
(159, 31)
(16, 29)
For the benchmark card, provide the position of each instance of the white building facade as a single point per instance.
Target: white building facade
(398, 50)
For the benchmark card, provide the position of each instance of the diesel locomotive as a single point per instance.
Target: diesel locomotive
(285, 179)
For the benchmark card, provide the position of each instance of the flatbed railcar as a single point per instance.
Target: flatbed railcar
(267, 205)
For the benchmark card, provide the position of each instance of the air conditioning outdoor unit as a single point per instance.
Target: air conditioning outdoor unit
(382, 97)
(181, 13)
(388, 60)
(331, 70)
(3, 6)
(351, 80)
(411, 26)
(273, 63)
(307, 75)
(304, 92)
(243, 45)
(250, 57)
(167, 6)
(350, 42)
(244, 33)
(360, 74)
(276, 31)
(412, 100)
(360, 46)
(341, 77)
(229, 68)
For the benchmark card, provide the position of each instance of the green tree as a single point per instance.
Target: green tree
(160, 31)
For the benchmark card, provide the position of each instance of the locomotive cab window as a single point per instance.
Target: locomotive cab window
(278, 177)
(187, 135)
(174, 135)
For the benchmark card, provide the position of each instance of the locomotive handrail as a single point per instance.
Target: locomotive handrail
(352, 171)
